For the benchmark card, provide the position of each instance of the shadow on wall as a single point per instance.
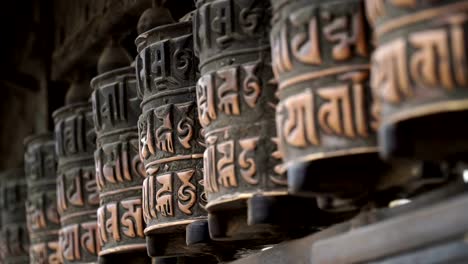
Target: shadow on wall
(19, 118)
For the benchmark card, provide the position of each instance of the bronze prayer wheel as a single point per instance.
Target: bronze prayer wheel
(325, 119)
(244, 180)
(119, 171)
(14, 237)
(41, 205)
(171, 140)
(77, 193)
(419, 75)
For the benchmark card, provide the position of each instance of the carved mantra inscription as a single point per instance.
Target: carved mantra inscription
(42, 213)
(338, 110)
(224, 24)
(15, 242)
(165, 66)
(232, 163)
(74, 134)
(377, 9)
(165, 148)
(120, 220)
(224, 90)
(320, 54)
(236, 99)
(41, 205)
(78, 241)
(171, 141)
(425, 62)
(76, 190)
(166, 130)
(314, 41)
(119, 170)
(118, 163)
(47, 252)
(115, 102)
(167, 193)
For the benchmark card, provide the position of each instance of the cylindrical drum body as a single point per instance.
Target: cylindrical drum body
(41, 205)
(419, 74)
(77, 193)
(171, 142)
(236, 102)
(119, 171)
(14, 239)
(325, 119)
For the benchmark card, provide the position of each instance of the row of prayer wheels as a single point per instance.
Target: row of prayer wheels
(244, 124)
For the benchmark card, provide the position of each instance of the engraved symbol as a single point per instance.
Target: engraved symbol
(225, 165)
(206, 100)
(250, 18)
(89, 238)
(183, 57)
(251, 85)
(222, 22)
(186, 192)
(132, 219)
(248, 166)
(305, 46)
(164, 131)
(112, 224)
(185, 125)
(164, 195)
(227, 91)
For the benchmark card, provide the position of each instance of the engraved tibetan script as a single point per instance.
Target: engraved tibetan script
(427, 59)
(338, 110)
(222, 91)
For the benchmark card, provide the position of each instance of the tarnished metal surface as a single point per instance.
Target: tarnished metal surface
(14, 238)
(170, 137)
(236, 101)
(326, 120)
(41, 205)
(119, 171)
(77, 192)
(321, 63)
(419, 76)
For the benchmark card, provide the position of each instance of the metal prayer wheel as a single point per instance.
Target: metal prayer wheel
(41, 205)
(14, 237)
(119, 171)
(325, 118)
(419, 76)
(77, 192)
(171, 142)
(244, 180)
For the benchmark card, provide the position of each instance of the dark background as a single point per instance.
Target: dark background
(31, 32)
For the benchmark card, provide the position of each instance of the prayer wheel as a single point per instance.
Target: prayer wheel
(419, 77)
(14, 237)
(41, 205)
(245, 182)
(171, 142)
(77, 191)
(325, 119)
(119, 171)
